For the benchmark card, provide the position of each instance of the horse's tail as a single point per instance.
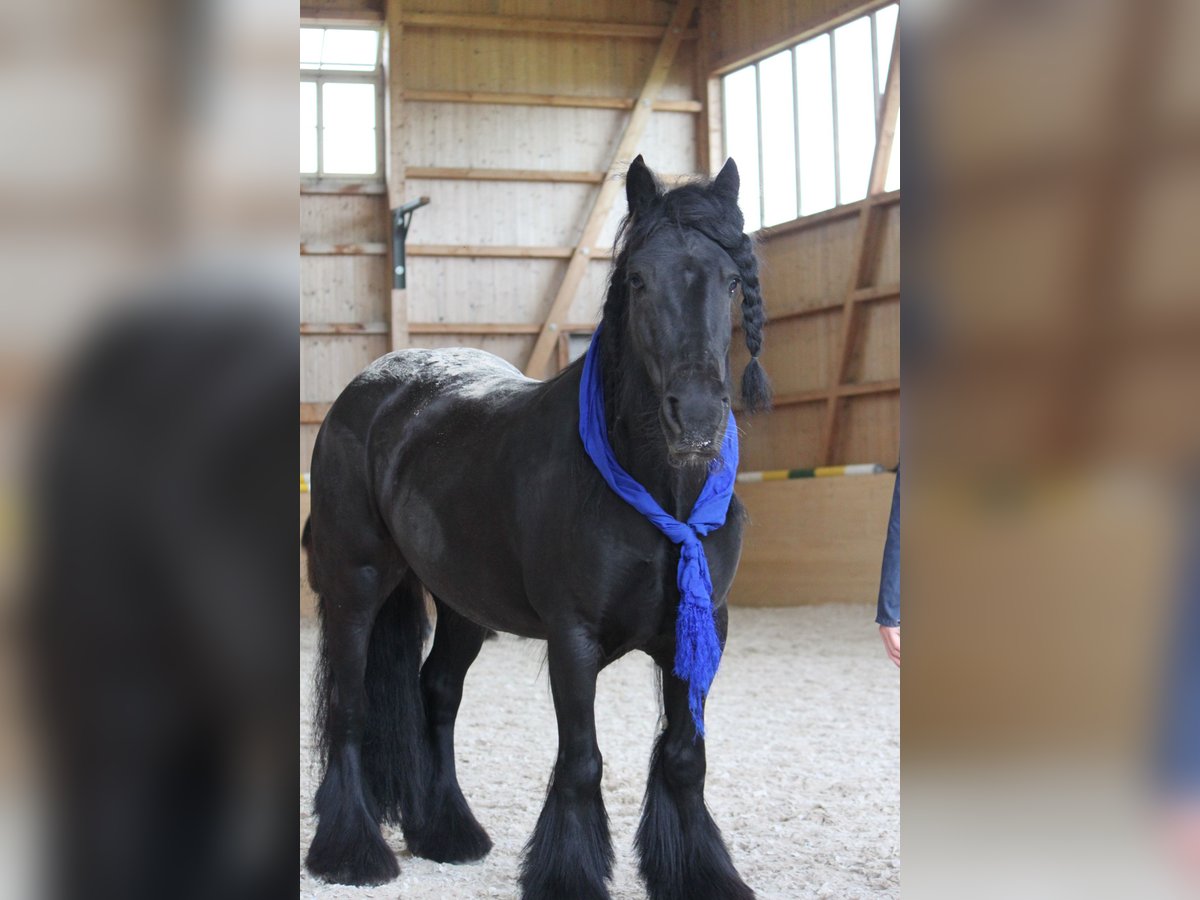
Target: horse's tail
(306, 545)
(396, 755)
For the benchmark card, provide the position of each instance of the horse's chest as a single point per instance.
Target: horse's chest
(633, 577)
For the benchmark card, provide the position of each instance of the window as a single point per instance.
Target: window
(340, 102)
(802, 123)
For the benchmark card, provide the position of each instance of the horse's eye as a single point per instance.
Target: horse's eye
(635, 282)
(733, 286)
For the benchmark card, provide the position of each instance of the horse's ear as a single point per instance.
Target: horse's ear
(641, 190)
(728, 182)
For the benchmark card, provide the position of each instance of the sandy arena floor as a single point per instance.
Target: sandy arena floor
(803, 760)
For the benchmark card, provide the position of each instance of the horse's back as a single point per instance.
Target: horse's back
(406, 384)
(453, 369)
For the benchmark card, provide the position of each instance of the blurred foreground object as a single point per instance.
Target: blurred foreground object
(148, 382)
(1053, 149)
(159, 676)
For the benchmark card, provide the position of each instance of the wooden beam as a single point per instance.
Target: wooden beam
(495, 328)
(495, 251)
(325, 186)
(862, 295)
(396, 176)
(867, 242)
(522, 24)
(739, 58)
(457, 174)
(532, 175)
(706, 150)
(890, 386)
(631, 136)
(845, 211)
(573, 101)
(344, 328)
(313, 413)
(501, 251)
(318, 15)
(820, 395)
(490, 250)
(563, 347)
(318, 248)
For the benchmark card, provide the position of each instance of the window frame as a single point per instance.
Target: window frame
(879, 77)
(321, 77)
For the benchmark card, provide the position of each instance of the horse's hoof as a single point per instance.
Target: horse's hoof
(369, 861)
(539, 890)
(452, 838)
(726, 886)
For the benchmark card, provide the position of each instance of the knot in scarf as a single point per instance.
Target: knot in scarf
(697, 647)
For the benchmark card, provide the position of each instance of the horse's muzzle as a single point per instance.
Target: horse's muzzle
(694, 425)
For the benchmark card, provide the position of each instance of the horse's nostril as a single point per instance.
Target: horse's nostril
(672, 414)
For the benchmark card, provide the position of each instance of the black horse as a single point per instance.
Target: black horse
(447, 471)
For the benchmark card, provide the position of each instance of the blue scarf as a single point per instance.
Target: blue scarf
(697, 649)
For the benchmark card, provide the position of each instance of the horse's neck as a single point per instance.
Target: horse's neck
(637, 442)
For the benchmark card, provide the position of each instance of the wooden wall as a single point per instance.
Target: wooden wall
(449, 279)
(813, 540)
(805, 273)
(738, 30)
(806, 270)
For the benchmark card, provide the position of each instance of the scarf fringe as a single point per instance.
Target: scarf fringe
(697, 647)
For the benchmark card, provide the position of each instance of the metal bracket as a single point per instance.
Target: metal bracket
(401, 218)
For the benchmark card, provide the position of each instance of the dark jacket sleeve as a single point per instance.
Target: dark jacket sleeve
(888, 609)
(1179, 730)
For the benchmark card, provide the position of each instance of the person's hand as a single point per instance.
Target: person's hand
(891, 642)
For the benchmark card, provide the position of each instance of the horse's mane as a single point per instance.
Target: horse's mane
(703, 207)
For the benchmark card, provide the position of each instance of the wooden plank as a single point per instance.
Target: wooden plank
(344, 327)
(396, 176)
(891, 386)
(727, 62)
(813, 540)
(571, 101)
(845, 211)
(554, 177)
(819, 395)
(709, 139)
(563, 346)
(313, 413)
(321, 15)
(866, 249)
(631, 135)
(398, 325)
(320, 248)
(522, 24)
(862, 295)
(326, 186)
(502, 251)
(489, 250)
(502, 328)
(873, 294)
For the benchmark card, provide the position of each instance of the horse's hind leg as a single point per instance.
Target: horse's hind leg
(450, 832)
(369, 716)
(682, 855)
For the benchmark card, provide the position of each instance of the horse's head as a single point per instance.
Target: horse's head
(683, 262)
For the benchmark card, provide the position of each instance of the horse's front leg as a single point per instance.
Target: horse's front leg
(681, 853)
(570, 854)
